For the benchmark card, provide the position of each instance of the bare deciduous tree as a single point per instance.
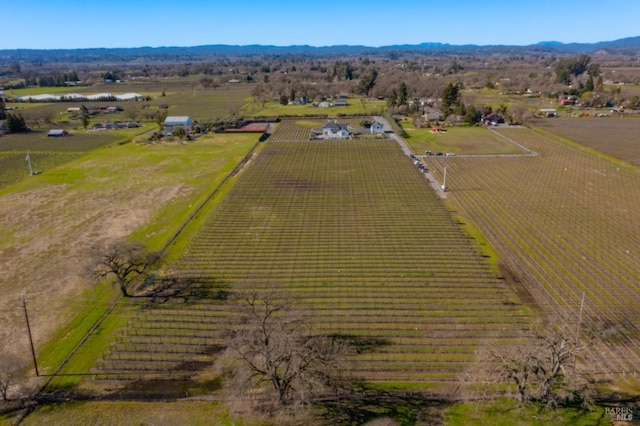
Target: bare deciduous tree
(270, 348)
(123, 259)
(132, 112)
(9, 366)
(544, 370)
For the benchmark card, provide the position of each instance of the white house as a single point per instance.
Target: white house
(377, 127)
(178, 121)
(333, 130)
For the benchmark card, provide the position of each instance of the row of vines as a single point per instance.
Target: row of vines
(359, 238)
(565, 223)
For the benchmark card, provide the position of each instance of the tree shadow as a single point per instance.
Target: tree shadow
(360, 344)
(185, 289)
(368, 404)
(167, 390)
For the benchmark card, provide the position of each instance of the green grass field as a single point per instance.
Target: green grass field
(355, 106)
(204, 104)
(458, 140)
(498, 412)
(48, 153)
(510, 413)
(138, 413)
(51, 221)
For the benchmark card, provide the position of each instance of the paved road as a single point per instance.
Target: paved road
(408, 151)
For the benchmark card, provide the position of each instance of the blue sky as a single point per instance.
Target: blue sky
(44, 24)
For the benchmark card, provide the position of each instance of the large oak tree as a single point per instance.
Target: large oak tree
(123, 260)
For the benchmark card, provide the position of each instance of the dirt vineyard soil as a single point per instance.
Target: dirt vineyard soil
(358, 236)
(616, 136)
(566, 223)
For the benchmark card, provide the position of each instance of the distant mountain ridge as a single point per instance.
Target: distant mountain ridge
(625, 46)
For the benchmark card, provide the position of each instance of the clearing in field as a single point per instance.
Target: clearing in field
(458, 140)
(359, 238)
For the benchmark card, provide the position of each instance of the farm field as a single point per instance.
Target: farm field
(48, 223)
(123, 412)
(182, 97)
(359, 238)
(47, 153)
(616, 136)
(458, 140)
(564, 223)
(204, 104)
(355, 106)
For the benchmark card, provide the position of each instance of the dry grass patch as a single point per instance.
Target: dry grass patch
(48, 223)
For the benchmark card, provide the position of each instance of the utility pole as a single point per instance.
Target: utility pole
(580, 317)
(33, 349)
(444, 179)
(578, 329)
(29, 161)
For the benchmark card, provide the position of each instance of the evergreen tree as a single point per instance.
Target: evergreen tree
(451, 98)
(393, 98)
(589, 86)
(3, 114)
(472, 115)
(367, 81)
(403, 94)
(85, 116)
(15, 123)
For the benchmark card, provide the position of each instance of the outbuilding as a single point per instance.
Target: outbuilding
(57, 133)
(178, 121)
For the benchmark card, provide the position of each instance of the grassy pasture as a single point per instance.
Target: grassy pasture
(355, 106)
(31, 91)
(48, 153)
(15, 168)
(615, 136)
(509, 413)
(459, 140)
(204, 104)
(127, 413)
(184, 97)
(48, 223)
(77, 141)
